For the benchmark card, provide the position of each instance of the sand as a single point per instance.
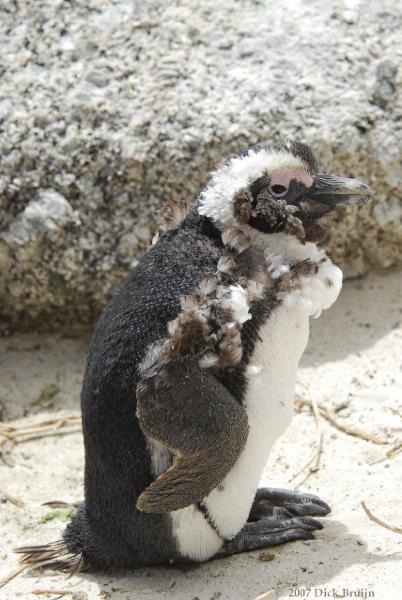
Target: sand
(353, 364)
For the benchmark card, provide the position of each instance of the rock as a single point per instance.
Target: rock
(266, 556)
(385, 89)
(46, 215)
(108, 110)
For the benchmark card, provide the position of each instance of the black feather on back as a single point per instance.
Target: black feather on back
(108, 529)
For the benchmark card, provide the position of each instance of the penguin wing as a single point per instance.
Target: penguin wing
(189, 412)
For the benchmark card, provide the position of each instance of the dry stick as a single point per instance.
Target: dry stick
(394, 450)
(321, 409)
(61, 504)
(4, 438)
(10, 429)
(11, 576)
(267, 594)
(12, 499)
(20, 434)
(396, 411)
(378, 521)
(44, 426)
(329, 415)
(49, 433)
(320, 439)
(44, 429)
(57, 592)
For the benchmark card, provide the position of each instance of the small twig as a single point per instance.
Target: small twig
(355, 432)
(140, 24)
(50, 427)
(12, 499)
(395, 411)
(50, 433)
(320, 440)
(4, 438)
(328, 414)
(59, 593)
(394, 450)
(45, 426)
(320, 437)
(265, 595)
(303, 385)
(60, 504)
(378, 521)
(11, 576)
(8, 428)
(304, 467)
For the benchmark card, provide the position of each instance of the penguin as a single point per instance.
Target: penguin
(191, 372)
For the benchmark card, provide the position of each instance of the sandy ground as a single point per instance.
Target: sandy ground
(353, 363)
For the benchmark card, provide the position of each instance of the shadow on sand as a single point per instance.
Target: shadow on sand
(366, 311)
(244, 577)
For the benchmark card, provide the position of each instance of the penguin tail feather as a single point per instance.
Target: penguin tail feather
(55, 555)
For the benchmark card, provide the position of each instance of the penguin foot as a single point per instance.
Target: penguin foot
(269, 531)
(286, 504)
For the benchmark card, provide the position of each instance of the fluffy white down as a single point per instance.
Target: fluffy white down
(238, 302)
(316, 293)
(216, 200)
(269, 398)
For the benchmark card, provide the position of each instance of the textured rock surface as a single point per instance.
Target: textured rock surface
(107, 109)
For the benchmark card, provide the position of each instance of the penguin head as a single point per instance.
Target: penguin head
(276, 188)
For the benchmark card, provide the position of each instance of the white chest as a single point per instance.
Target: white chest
(269, 405)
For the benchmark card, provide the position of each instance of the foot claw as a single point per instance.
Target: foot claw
(276, 517)
(270, 531)
(309, 523)
(280, 524)
(295, 503)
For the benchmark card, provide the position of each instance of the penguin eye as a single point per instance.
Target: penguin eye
(278, 190)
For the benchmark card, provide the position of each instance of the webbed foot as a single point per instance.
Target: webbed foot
(269, 531)
(286, 503)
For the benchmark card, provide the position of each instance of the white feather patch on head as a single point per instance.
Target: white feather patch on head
(216, 200)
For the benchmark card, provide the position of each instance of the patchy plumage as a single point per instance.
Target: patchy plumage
(191, 372)
(235, 238)
(173, 214)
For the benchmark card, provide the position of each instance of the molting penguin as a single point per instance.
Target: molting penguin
(191, 372)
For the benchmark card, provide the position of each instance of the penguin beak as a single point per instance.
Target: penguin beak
(331, 191)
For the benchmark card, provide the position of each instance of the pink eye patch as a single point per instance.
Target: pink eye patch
(283, 177)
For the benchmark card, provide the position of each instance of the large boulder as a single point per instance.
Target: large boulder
(108, 109)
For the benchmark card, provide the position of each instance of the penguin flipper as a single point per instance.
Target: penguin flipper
(189, 412)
